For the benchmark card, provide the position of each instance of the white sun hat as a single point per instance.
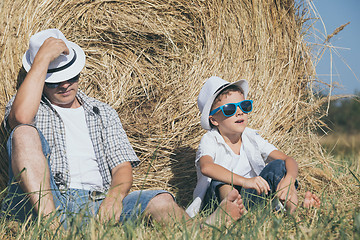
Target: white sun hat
(62, 68)
(208, 93)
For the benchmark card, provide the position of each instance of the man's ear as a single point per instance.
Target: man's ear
(213, 121)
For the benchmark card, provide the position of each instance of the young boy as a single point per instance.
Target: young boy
(232, 155)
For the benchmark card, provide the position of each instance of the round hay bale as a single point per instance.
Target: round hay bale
(149, 59)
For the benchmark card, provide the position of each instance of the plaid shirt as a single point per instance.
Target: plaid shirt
(109, 139)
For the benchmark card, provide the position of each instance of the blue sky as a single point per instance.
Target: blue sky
(346, 43)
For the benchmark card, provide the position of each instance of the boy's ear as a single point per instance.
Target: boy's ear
(213, 121)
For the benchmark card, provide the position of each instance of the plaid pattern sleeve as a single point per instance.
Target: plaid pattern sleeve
(7, 112)
(118, 148)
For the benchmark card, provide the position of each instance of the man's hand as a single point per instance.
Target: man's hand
(257, 183)
(28, 96)
(110, 208)
(121, 182)
(51, 49)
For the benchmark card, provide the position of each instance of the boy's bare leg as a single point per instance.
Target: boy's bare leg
(224, 190)
(292, 201)
(311, 200)
(163, 209)
(231, 208)
(291, 204)
(27, 154)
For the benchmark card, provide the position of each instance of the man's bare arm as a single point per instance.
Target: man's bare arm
(27, 99)
(120, 186)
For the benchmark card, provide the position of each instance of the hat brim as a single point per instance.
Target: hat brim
(205, 124)
(65, 74)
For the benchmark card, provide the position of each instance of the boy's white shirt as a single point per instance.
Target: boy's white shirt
(213, 144)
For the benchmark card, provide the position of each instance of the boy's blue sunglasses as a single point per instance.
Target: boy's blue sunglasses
(230, 109)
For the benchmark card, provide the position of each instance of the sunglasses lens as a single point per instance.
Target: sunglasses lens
(71, 80)
(246, 106)
(229, 109)
(52, 85)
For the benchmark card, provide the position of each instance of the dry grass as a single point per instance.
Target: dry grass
(149, 59)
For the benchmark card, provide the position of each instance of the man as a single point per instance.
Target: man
(69, 152)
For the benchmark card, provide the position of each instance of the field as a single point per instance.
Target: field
(149, 59)
(338, 217)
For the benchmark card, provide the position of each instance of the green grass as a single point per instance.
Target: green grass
(338, 217)
(329, 222)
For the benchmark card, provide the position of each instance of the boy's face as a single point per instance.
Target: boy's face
(235, 124)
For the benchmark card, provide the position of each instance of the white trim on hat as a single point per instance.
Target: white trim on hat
(62, 68)
(212, 87)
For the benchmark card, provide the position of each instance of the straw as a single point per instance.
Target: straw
(149, 59)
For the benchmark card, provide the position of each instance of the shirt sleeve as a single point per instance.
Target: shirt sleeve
(7, 112)
(264, 146)
(207, 146)
(118, 147)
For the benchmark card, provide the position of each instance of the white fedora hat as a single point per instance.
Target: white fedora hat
(209, 92)
(62, 68)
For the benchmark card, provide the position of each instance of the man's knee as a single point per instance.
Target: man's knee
(25, 137)
(162, 201)
(24, 132)
(24, 144)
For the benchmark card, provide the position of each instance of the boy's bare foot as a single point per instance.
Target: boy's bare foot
(311, 200)
(230, 209)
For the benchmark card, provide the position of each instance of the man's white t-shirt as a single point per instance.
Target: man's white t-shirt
(84, 169)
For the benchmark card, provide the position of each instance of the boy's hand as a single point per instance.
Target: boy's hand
(257, 183)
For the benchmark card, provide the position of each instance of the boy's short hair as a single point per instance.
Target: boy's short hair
(225, 92)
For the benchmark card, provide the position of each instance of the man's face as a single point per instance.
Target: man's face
(63, 95)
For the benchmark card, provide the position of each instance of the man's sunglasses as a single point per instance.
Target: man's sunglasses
(230, 109)
(55, 85)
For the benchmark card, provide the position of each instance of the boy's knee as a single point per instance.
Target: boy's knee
(276, 166)
(278, 163)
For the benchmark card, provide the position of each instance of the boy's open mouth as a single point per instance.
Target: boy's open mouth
(239, 121)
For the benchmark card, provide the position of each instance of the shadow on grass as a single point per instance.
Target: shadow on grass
(184, 174)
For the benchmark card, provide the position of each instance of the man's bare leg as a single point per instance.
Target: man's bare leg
(35, 179)
(163, 209)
